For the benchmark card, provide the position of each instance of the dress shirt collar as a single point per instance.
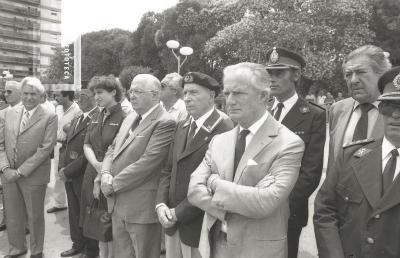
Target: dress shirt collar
(387, 147)
(31, 112)
(149, 111)
(200, 121)
(255, 126)
(85, 114)
(179, 105)
(288, 104)
(375, 104)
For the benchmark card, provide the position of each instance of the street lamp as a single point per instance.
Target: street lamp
(5, 77)
(184, 51)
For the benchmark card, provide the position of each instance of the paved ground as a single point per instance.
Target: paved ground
(57, 232)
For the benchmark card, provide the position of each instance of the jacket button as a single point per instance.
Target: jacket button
(370, 240)
(377, 216)
(346, 198)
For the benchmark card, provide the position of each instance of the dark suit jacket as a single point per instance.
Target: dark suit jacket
(351, 218)
(74, 159)
(308, 121)
(136, 161)
(176, 175)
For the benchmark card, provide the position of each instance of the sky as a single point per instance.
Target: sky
(82, 16)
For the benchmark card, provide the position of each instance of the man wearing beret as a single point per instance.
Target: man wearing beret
(308, 121)
(182, 220)
(357, 208)
(73, 169)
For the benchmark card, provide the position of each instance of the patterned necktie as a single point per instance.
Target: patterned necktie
(361, 130)
(239, 148)
(279, 111)
(388, 172)
(80, 119)
(192, 131)
(25, 119)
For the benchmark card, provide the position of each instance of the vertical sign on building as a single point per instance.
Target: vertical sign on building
(77, 63)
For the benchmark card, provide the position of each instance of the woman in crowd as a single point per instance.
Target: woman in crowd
(3, 102)
(100, 134)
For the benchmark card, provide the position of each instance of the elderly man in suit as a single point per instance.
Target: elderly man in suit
(357, 117)
(357, 208)
(28, 135)
(244, 181)
(181, 220)
(73, 169)
(305, 119)
(171, 96)
(131, 171)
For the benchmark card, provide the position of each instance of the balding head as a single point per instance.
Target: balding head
(34, 83)
(144, 92)
(12, 92)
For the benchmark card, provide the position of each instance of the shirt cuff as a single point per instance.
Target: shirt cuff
(160, 204)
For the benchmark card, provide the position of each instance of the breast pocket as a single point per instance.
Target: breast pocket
(348, 203)
(252, 174)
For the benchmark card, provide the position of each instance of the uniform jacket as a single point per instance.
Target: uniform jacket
(308, 121)
(351, 218)
(28, 150)
(136, 165)
(176, 175)
(339, 116)
(75, 161)
(254, 202)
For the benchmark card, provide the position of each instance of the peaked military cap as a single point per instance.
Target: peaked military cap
(282, 58)
(201, 79)
(389, 85)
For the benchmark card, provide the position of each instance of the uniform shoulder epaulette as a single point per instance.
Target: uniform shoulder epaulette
(360, 142)
(316, 105)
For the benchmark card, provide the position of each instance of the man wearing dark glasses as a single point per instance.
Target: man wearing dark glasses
(358, 207)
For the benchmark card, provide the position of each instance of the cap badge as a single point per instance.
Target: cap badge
(188, 78)
(396, 82)
(274, 57)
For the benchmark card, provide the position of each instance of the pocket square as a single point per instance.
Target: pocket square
(251, 162)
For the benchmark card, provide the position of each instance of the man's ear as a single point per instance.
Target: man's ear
(296, 75)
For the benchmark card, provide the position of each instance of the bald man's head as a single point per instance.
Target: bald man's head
(12, 92)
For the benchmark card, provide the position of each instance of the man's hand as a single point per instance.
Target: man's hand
(107, 189)
(212, 183)
(11, 175)
(165, 216)
(97, 166)
(96, 190)
(106, 184)
(62, 176)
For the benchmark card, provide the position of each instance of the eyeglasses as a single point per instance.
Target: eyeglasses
(139, 92)
(388, 108)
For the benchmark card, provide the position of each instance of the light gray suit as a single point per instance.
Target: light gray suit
(254, 202)
(136, 161)
(29, 151)
(339, 117)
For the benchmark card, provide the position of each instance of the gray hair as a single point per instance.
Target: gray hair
(34, 82)
(379, 59)
(174, 80)
(147, 79)
(13, 84)
(255, 74)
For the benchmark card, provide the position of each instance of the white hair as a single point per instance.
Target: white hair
(147, 80)
(13, 84)
(175, 80)
(33, 82)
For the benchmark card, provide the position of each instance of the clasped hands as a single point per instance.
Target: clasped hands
(10, 175)
(212, 183)
(106, 184)
(166, 216)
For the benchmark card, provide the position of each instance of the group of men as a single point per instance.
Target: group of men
(220, 185)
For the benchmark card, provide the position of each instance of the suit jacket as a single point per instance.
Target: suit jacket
(351, 218)
(28, 150)
(339, 116)
(74, 162)
(136, 162)
(254, 202)
(308, 121)
(176, 175)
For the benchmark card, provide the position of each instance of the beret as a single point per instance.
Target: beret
(201, 79)
(389, 84)
(282, 58)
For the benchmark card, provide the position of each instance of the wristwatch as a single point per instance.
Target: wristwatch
(4, 169)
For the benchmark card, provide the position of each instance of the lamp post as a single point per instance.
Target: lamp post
(184, 51)
(6, 75)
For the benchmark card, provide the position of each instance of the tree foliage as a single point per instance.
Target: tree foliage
(128, 73)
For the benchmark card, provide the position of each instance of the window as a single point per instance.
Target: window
(54, 13)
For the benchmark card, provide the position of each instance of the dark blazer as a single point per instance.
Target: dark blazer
(75, 161)
(176, 175)
(351, 218)
(308, 121)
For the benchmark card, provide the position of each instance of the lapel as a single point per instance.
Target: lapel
(262, 138)
(181, 135)
(295, 116)
(141, 127)
(37, 115)
(83, 125)
(203, 134)
(378, 129)
(368, 170)
(341, 123)
(17, 122)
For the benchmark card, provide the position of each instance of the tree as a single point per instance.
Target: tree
(128, 73)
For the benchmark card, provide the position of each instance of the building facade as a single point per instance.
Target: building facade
(30, 32)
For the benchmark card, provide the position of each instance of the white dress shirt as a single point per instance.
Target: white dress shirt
(178, 110)
(387, 147)
(254, 128)
(126, 106)
(355, 116)
(287, 106)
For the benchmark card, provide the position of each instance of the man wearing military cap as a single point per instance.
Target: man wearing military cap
(182, 220)
(358, 207)
(308, 121)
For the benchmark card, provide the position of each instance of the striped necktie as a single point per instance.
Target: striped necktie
(24, 122)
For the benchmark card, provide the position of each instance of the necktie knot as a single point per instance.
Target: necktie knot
(366, 107)
(279, 111)
(395, 153)
(280, 105)
(244, 133)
